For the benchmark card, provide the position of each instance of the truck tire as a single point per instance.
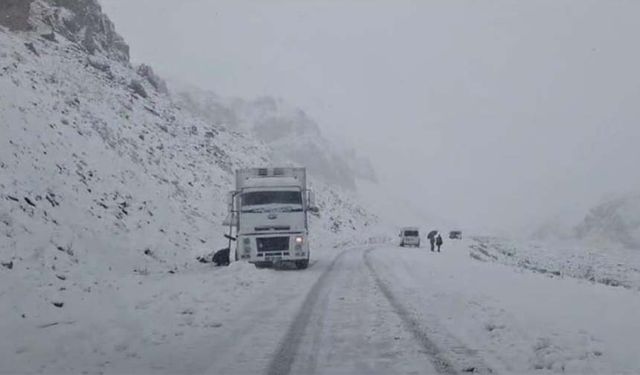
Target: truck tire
(262, 264)
(302, 264)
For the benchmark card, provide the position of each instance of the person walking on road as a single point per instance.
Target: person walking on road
(432, 238)
(438, 241)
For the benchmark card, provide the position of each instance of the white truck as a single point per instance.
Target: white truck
(268, 210)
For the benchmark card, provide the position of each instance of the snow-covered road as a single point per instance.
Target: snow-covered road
(364, 310)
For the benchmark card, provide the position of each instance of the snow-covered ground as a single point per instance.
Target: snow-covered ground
(516, 321)
(366, 309)
(609, 265)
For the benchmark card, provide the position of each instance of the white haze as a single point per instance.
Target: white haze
(492, 114)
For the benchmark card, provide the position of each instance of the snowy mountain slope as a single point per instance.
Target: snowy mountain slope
(102, 177)
(288, 131)
(612, 223)
(615, 221)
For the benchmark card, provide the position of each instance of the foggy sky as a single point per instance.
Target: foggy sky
(492, 114)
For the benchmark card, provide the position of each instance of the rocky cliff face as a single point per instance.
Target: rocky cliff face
(80, 21)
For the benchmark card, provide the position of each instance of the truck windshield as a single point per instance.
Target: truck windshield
(411, 233)
(271, 201)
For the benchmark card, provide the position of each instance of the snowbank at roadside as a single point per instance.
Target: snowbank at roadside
(613, 266)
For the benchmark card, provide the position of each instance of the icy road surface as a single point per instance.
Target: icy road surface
(365, 310)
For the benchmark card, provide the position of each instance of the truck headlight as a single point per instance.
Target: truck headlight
(299, 240)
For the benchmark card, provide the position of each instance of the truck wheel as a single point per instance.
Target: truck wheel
(262, 264)
(302, 264)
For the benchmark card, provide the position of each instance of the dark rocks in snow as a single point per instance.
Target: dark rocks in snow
(13, 198)
(50, 37)
(138, 88)
(51, 198)
(151, 110)
(29, 201)
(61, 277)
(58, 304)
(32, 48)
(86, 25)
(8, 265)
(68, 250)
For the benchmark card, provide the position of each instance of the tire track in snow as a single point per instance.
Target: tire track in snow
(285, 355)
(438, 358)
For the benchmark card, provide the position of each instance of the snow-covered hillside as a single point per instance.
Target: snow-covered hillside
(288, 131)
(102, 176)
(613, 265)
(615, 221)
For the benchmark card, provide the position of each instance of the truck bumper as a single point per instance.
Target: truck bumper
(273, 248)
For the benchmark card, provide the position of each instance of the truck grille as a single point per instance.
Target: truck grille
(272, 244)
(272, 227)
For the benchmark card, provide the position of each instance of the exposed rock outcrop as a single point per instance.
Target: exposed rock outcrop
(81, 21)
(14, 14)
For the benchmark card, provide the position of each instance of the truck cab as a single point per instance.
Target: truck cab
(409, 236)
(269, 212)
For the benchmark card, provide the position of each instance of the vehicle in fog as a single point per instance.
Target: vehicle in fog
(410, 236)
(269, 211)
(455, 235)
